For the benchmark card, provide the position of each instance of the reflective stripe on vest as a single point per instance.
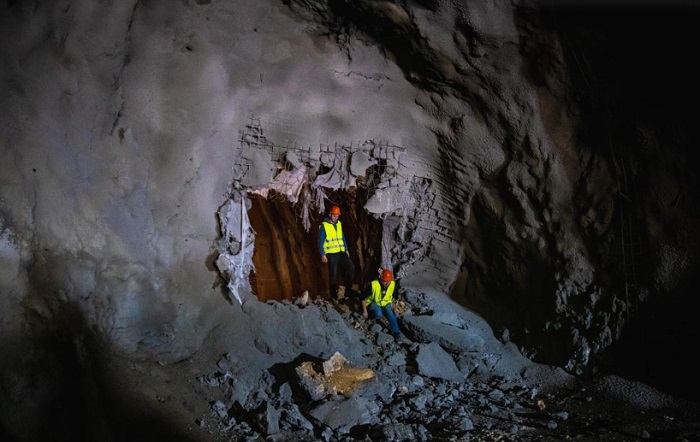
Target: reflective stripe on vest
(334, 238)
(376, 296)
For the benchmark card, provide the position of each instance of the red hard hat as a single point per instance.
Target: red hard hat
(335, 210)
(386, 275)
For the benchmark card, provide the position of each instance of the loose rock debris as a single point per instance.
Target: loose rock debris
(404, 398)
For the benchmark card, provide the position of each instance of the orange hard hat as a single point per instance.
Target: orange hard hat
(386, 275)
(335, 210)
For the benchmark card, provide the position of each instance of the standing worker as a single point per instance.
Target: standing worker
(334, 251)
(377, 298)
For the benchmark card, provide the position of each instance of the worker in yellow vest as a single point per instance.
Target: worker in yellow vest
(378, 296)
(334, 252)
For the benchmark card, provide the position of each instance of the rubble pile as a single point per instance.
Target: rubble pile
(443, 379)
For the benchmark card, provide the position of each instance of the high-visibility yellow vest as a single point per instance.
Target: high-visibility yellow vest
(376, 295)
(334, 238)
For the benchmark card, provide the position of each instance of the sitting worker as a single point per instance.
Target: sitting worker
(377, 298)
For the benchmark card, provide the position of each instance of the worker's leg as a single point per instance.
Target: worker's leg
(333, 259)
(393, 322)
(348, 272)
(374, 311)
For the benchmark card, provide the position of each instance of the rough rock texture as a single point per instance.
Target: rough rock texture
(164, 166)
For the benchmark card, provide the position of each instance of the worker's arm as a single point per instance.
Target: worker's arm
(345, 243)
(367, 292)
(321, 241)
(365, 297)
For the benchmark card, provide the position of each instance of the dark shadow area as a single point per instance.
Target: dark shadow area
(57, 386)
(50, 380)
(658, 347)
(630, 63)
(637, 87)
(129, 412)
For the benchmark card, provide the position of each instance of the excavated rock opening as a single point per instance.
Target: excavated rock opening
(286, 256)
(368, 181)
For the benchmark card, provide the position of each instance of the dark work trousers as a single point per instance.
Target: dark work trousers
(343, 261)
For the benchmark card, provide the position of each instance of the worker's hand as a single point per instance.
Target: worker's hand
(364, 313)
(324, 259)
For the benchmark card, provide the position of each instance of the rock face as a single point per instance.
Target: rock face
(165, 166)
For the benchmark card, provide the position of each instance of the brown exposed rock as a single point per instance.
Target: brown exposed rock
(334, 377)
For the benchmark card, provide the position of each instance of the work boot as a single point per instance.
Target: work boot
(334, 292)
